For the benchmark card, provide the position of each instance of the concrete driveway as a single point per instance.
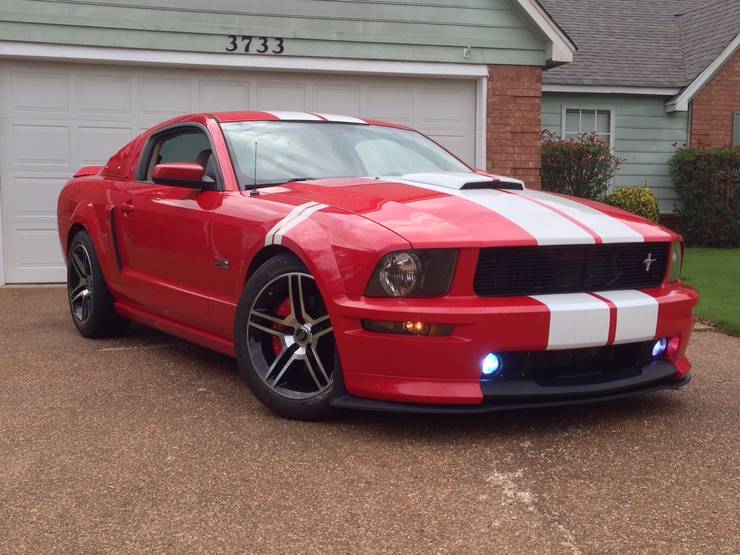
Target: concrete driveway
(146, 443)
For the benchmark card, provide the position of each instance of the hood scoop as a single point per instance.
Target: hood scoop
(465, 181)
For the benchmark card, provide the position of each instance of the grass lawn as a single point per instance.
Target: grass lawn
(716, 275)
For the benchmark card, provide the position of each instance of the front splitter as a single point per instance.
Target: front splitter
(345, 401)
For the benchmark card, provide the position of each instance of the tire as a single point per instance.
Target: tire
(90, 302)
(284, 341)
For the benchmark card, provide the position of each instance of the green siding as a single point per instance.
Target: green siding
(644, 136)
(431, 30)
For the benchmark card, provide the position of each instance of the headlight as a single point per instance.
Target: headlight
(414, 273)
(676, 261)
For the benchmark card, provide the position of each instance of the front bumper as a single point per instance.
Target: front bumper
(522, 398)
(407, 372)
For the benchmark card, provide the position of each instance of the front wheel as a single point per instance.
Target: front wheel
(284, 340)
(90, 302)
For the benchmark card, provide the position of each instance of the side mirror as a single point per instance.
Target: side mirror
(184, 174)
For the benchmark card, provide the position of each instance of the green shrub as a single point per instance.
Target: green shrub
(638, 200)
(581, 167)
(707, 181)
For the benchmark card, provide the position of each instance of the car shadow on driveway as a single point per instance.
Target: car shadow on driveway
(521, 422)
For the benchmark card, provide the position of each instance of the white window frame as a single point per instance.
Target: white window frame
(581, 107)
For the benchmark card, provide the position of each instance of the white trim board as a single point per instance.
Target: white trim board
(481, 123)
(561, 48)
(2, 254)
(598, 89)
(132, 56)
(681, 102)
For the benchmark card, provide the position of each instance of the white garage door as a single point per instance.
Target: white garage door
(56, 117)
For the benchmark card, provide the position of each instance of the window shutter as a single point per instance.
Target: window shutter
(736, 129)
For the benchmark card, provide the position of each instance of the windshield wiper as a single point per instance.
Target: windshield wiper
(281, 182)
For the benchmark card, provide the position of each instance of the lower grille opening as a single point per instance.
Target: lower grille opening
(590, 365)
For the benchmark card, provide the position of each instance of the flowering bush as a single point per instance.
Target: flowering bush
(582, 167)
(707, 181)
(638, 200)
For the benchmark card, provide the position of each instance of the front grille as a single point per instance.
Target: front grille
(511, 271)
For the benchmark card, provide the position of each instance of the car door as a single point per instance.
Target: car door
(163, 231)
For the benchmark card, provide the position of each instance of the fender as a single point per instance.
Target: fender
(342, 249)
(98, 227)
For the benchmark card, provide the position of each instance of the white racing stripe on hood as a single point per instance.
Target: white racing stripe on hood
(297, 210)
(610, 229)
(546, 226)
(303, 216)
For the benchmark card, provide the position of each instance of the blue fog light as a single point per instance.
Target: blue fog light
(659, 347)
(492, 363)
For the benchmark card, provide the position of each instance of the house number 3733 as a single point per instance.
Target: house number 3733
(259, 45)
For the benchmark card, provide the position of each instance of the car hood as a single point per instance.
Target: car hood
(442, 210)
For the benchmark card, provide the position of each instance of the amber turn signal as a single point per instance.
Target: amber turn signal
(407, 328)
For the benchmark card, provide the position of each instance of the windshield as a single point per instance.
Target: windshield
(292, 151)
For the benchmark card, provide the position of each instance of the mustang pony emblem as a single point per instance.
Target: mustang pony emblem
(649, 261)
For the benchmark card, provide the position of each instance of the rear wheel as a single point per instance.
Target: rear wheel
(90, 302)
(285, 342)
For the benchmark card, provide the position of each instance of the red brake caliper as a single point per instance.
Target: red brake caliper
(282, 311)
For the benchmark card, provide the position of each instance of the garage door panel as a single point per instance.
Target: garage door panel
(103, 95)
(39, 92)
(391, 103)
(446, 108)
(32, 254)
(31, 198)
(96, 144)
(166, 96)
(281, 95)
(56, 117)
(337, 99)
(223, 96)
(35, 144)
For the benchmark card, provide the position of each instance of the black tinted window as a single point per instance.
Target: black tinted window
(185, 147)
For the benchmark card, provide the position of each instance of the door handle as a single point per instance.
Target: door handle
(127, 207)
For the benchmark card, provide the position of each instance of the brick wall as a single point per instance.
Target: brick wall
(713, 106)
(513, 122)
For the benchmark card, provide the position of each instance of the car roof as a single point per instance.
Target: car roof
(314, 117)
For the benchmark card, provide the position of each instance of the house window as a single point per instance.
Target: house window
(736, 129)
(579, 121)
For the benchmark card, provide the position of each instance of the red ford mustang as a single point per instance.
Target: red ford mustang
(350, 263)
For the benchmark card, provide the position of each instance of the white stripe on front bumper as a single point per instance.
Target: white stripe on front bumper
(576, 320)
(637, 315)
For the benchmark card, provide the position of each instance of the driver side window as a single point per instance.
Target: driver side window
(187, 145)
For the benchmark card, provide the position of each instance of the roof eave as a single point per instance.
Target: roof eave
(560, 49)
(680, 103)
(610, 89)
